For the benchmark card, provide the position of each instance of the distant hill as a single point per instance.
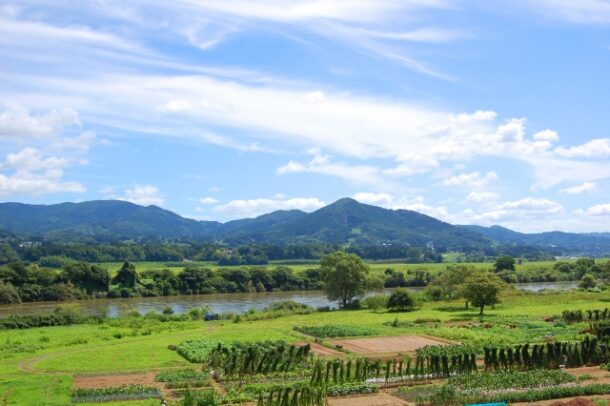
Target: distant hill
(344, 222)
(591, 243)
(348, 221)
(100, 220)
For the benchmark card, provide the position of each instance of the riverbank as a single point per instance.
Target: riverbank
(217, 302)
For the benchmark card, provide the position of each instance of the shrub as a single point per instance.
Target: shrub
(352, 389)
(8, 294)
(401, 300)
(124, 392)
(196, 350)
(59, 317)
(376, 302)
(329, 331)
(200, 398)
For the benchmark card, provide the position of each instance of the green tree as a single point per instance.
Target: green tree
(345, 276)
(401, 300)
(91, 278)
(7, 254)
(8, 294)
(504, 263)
(483, 289)
(587, 282)
(127, 276)
(449, 285)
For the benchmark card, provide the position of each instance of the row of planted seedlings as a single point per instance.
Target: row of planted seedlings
(430, 362)
(578, 316)
(268, 358)
(589, 351)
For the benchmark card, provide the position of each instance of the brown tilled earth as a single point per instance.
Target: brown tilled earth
(322, 351)
(107, 381)
(387, 345)
(377, 399)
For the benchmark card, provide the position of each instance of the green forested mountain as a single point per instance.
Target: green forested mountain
(344, 222)
(100, 220)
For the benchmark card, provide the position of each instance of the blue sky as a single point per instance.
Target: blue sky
(473, 112)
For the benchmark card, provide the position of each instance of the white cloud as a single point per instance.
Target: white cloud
(256, 207)
(378, 199)
(321, 164)
(481, 197)
(575, 190)
(597, 148)
(598, 210)
(473, 179)
(208, 200)
(546, 135)
(28, 172)
(580, 11)
(17, 123)
(143, 195)
(532, 205)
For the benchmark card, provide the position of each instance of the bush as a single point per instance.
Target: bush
(182, 375)
(200, 398)
(401, 300)
(8, 294)
(59, 317)
(328, 330)
(125, 392)
(376, 302)
(352, 389)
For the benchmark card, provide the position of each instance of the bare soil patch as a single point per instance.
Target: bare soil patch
(380, 346)
(377, 399)
(109, 381)
(322, 351)
(596, 372)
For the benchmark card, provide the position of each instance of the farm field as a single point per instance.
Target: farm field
(42, 366)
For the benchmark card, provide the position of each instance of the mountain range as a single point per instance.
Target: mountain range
(345, 221)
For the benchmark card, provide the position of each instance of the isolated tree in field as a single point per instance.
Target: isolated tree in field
(587, 282)
(483, 289)
(504, 263)
(401, 300)
(345, 276)
(127, 276)
(449, 284)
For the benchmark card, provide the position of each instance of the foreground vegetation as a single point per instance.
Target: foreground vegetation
(41, 363)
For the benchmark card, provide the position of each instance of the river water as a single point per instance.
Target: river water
(220, 303)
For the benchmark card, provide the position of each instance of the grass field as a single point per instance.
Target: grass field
(37, 365)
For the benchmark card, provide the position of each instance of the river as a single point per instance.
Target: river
(220, 303)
